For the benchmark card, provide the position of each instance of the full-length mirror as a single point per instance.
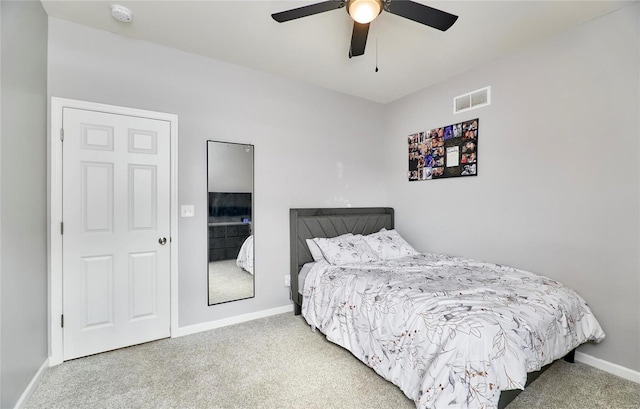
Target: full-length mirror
(230, 221)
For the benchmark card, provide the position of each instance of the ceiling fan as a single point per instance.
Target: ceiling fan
(363, 12)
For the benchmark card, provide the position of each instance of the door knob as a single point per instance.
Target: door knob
(162, 240)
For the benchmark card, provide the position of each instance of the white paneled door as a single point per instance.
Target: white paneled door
(116, 226)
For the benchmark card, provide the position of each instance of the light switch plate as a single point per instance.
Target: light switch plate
(187, 210)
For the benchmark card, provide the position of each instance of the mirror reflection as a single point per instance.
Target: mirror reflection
(230, 219)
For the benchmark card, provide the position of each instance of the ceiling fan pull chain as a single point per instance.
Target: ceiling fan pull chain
(376, 52)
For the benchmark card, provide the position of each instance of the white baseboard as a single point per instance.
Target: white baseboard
(607, 366)
(206, 326)
(26, 395)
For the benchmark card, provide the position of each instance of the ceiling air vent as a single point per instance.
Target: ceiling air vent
(472, 100)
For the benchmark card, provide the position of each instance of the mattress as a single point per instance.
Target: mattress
(303, 275)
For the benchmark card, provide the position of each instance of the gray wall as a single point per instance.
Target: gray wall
(313, 147)
(558, 186)
(23, 196)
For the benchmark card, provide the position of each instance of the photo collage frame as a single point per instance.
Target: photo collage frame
(449, 151)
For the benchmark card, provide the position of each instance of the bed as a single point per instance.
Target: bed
(245, 255)
(448, 331)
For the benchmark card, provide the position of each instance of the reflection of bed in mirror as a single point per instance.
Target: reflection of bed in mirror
(230, 222)
(245, 256)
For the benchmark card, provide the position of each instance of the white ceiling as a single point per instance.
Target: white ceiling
(314, 49)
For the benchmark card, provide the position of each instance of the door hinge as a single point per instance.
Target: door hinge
(62, 321)
(61, 227)
(62, 134)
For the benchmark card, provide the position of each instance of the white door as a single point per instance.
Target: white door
(115, 242)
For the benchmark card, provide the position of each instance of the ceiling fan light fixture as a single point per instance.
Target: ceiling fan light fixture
(364, 11)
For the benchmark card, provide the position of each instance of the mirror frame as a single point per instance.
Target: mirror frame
(252, 228)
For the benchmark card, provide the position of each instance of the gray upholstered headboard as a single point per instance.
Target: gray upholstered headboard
(329, 222)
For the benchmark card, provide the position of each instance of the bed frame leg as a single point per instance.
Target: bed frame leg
(297, 309)
(313, 328)
(571, 356)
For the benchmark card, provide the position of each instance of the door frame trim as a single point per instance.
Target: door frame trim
(56, 338)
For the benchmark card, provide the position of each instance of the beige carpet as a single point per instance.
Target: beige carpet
(277, 362)
(228, 282)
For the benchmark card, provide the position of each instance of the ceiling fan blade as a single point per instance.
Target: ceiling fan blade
(307, 10)
(358, 39)
(421, 14)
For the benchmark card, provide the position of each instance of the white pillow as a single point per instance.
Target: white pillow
(389, 245)
(346, 250)
(315, 251)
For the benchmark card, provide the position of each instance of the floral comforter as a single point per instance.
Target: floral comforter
(450, 332)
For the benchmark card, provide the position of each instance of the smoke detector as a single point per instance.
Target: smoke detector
(121, 13)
